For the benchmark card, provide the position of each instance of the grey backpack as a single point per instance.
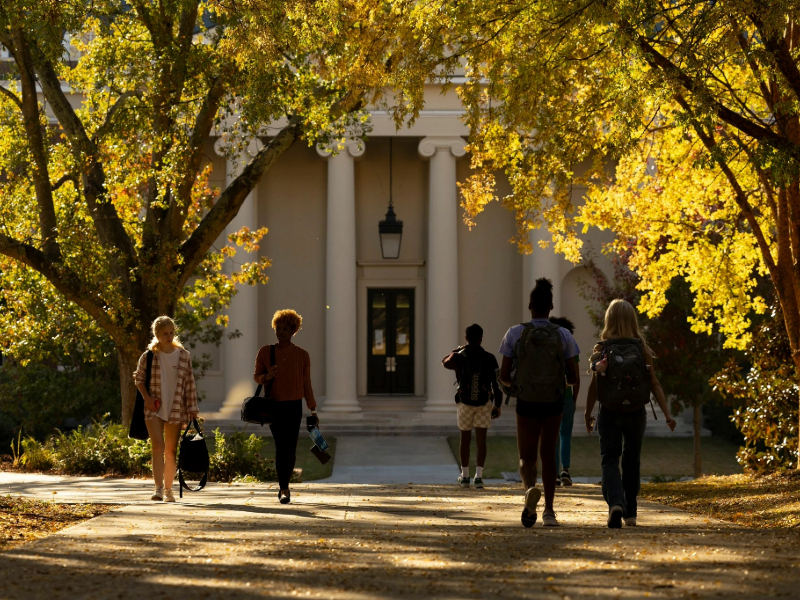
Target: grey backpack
(541, 373)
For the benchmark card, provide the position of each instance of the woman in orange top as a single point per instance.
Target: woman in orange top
(291, 377)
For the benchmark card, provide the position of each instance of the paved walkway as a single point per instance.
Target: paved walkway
(393, 459)
(392, 541)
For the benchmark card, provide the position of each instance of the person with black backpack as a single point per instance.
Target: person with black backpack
(541, 356)
(623, 378)
(477, 384)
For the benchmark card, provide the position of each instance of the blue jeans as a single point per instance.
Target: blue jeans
(621, 435)
(564, 447)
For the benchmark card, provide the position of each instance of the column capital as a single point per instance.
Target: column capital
(430, 145)
(354, 148)
(224, 145)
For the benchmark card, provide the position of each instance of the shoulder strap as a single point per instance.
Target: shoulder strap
(272, 355)
(149, 370)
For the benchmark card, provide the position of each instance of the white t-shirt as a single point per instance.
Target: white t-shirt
(169, 381)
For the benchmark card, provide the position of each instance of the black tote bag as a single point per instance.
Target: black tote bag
(193, 457)
(138, 429)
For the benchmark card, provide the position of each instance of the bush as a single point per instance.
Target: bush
(238, 459)
(39, 399)
(765, 398)
(99, 449)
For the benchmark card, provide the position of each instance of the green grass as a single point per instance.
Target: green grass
(312, 469)
(661, 457)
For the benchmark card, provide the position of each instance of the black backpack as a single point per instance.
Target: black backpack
(474, 382)
(138, 428)
(193, 457)
(625, 384)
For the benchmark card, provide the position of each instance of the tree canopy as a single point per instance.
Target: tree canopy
(106, 114)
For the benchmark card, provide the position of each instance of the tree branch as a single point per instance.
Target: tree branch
(197, 141)
(776, 45)
(104, 128)
(64, 280)
(230, 201)
(11, 96)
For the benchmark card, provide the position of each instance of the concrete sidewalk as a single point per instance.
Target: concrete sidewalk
(394, 541)
(393, 460)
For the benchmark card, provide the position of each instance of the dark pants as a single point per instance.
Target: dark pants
(530, 431)
(285, 427)
(621, 435)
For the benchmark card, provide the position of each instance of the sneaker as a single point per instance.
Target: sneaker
(629, 521)
(477, 483)
(558, 482)
(615, 517)
(168, 497)
(158, 494)
(532, 497)
(463, 481)
(549, 519)
(566, 480)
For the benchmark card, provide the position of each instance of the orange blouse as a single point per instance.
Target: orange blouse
(293, 380)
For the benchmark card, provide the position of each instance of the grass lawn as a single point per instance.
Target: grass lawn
(771, 501)
(312, 469)
(662, 457)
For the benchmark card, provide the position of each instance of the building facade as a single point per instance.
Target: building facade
(378, 327)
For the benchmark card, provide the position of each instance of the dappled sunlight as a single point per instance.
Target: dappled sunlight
(351, 541)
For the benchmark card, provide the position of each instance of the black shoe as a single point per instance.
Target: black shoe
(566, 480)
(285, 498)
(615, 517)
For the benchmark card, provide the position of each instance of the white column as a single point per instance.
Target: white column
(441, 305)
(340, 282)
(239, 354)
(542, 262)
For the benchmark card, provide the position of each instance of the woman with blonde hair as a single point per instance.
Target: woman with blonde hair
(291, 382)
(170, 404)
(621, 424)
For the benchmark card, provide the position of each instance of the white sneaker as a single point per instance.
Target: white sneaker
(158, 494)
(630, 521)
(168, 497)
(549, 519)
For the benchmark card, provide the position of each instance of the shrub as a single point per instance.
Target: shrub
(99, 449)
(238, 458)
(765, 398)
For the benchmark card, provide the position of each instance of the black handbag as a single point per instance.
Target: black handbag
(193, 457)
(138, 428)
(256, 409)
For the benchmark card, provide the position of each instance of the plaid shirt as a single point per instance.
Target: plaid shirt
(184, 403)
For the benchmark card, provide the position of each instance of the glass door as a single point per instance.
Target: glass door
(390, 368)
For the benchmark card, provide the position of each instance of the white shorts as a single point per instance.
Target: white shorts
(474, 416)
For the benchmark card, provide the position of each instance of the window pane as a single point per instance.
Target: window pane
(403, 331)
(378, 341)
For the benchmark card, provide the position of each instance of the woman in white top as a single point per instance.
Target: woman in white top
(170, 404)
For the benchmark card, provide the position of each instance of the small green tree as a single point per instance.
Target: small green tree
(685, 360)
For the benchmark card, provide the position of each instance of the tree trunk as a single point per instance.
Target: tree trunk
(127, 365)
(697, 423)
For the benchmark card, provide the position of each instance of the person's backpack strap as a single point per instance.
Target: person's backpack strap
(148, 371)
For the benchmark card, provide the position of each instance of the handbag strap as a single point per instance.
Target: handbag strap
(183, 483)
(196, 425)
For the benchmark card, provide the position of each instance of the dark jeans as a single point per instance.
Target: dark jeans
(285, 428)
(621, 435)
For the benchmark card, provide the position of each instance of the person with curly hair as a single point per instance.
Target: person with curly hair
(291, 382)
(170, 404)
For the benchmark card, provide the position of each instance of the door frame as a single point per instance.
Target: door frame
(406, 275)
